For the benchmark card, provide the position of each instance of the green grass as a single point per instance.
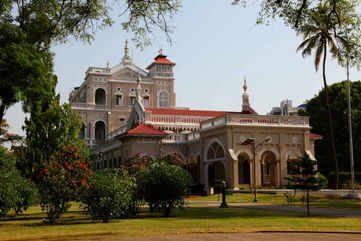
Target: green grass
(194, 219)
(329, 201)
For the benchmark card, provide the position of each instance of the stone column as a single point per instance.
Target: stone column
(205, 177)
(235, 175)
(283, 165)
(278, 171)
(258, 172)
(251, 173)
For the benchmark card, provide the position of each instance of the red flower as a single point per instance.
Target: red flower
(83, 182)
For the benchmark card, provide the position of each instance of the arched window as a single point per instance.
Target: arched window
(100, 97)
(119, 100)
(215, 151)
(163, 100)
(99, 132)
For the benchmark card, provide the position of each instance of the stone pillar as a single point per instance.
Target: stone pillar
(251, 173)
(283, 165)
(205, 177)
(235, 175)
(258, 172)
(278, 172)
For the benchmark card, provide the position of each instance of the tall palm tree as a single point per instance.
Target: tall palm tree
(319, 35)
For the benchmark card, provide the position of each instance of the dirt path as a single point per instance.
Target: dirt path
(314, 210)
(248, 237)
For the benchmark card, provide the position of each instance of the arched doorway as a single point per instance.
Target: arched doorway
(215, 168)
(244, 176)
(99, 132)
(269, 169)
(100, 97)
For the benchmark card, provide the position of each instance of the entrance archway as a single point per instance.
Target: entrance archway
(216, 174)
(215, 168)
(99, 132)
(244, 171)
(269, 169)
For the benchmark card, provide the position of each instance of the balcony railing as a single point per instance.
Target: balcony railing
(256, 120)
(173, 119)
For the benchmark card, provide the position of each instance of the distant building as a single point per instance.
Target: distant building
(286, 108)
(128, 110)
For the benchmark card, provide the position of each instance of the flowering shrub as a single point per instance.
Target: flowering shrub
(138, 162)
(111, 194)
(174, 159)
(64, 179)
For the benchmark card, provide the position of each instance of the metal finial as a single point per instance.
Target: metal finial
(245, 84)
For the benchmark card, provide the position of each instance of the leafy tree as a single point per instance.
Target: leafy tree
(26, 194)
(317, 112)
(305, 177)
(50, 127)
(164, 186)
(15, 191)
(319, 36)
(29, 27)
(111, 194)
(65, 178)
(5, 136)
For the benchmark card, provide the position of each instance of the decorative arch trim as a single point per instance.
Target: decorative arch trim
(210, 143)
(270, 149)
(246, 151)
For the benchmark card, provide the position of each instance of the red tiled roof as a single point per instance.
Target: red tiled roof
(159, 111)
(161, 59)
(144, 129)
(315, 136)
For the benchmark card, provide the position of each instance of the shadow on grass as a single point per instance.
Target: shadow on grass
(198, 213)
(70, 237)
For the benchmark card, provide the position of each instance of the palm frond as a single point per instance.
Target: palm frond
(333, 48)
(319, 52)
(303, 44)
(311, 45)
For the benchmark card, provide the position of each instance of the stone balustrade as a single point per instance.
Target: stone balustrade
(255, 120)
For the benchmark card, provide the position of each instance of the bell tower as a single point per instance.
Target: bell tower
(161, 72)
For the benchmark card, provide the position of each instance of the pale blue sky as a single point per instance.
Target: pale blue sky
(214, 45)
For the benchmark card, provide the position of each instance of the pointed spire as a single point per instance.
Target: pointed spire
(245, 98)
(126, 58)
(108, 66)
(139, 89)
(245, 84)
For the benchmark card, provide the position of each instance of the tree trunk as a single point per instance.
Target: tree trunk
(332, 137)
(308, 202)
(2, 113)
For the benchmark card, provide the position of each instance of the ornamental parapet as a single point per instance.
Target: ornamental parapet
(236, 119)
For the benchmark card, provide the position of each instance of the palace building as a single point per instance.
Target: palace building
(129, 110)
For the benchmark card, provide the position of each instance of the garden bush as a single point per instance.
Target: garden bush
(63, 180)
(163, 186)
(15, 191)
(111, 194)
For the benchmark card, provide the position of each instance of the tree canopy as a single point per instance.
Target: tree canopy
(28, 28)
(317, 111)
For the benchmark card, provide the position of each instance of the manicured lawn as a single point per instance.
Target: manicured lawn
(76, 226)
(279, 199)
